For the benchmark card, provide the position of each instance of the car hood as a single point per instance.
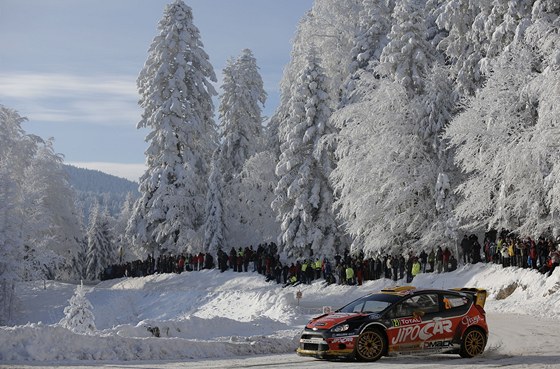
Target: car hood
(330, 320)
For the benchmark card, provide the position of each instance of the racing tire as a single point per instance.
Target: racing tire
(473, 343)
(370, 345)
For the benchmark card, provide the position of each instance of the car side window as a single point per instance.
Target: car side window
(452, 301)
(416, 305)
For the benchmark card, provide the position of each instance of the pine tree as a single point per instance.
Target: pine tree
(215, 227)
(241, 138)
(176, 95)
(240, 113)
(408, 56)
(100, 252)
(78, 316)
(124, 251)
(369, 41)
(303, 195)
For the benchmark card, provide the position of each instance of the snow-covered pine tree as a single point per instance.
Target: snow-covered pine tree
(303, 195)
(215, 225)
(408, 56)
(240, 113)
(461, 48)
(100, 252)
(369, 40)
(241, 138)
(124, 251)
(78, 315)
(176, 96)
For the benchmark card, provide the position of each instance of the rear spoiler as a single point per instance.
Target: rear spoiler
(478, 293)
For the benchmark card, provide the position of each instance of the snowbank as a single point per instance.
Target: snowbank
(209, 314)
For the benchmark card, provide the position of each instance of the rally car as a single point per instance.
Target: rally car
(400, 320)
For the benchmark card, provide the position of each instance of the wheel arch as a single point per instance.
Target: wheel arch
(463, 349)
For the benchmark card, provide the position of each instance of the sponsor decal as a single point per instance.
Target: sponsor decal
(470, 320)
(405, 321)
(423, 333)
(437, 345)
(406, 348)
(374, 316)
(343, 339)
(312, 340)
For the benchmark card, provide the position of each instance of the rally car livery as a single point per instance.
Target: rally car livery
(400, 320)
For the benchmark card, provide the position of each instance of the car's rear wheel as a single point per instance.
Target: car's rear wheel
(474, 342)
(370, 345)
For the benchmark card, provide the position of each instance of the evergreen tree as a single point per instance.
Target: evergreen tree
(176, 95)
(214, 227)
(408, 56)
(124, 251)
(460, 46)
(303, 195)
(241, 138)
(78, 316)
(240, 113)
(100, 252)
(369, 41)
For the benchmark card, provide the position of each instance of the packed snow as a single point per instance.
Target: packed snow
(208, 314)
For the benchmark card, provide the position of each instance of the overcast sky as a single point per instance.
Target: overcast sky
(70, 66)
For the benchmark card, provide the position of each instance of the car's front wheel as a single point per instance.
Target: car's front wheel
(474, 342)
(370, 345)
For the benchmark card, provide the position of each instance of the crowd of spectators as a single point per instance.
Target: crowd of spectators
(503, 249)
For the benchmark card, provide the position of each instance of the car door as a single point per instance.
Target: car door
(412, 322)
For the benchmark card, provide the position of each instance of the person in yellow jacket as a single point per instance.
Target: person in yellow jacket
(304, 267)
(318, 266)
(349, 275)
(416, 267)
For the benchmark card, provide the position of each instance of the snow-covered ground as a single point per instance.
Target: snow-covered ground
(214, 317)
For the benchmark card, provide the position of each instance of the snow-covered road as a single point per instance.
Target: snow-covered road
(516, 341)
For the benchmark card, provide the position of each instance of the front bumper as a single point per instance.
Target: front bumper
(324, 345)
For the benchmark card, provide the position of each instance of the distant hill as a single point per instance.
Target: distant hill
(109, 190)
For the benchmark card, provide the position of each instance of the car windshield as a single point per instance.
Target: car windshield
(374, 303)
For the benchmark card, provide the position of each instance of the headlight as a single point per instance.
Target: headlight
(341, 328)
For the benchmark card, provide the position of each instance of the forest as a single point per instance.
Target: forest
(403, 124)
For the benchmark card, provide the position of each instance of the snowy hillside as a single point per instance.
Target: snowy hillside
(225, 314)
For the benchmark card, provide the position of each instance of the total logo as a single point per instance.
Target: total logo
(406, 321)
(425, 332)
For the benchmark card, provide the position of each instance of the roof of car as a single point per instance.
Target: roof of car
(409, 290)
(399, 290)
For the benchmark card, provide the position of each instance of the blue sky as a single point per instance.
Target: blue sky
(70, 66)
